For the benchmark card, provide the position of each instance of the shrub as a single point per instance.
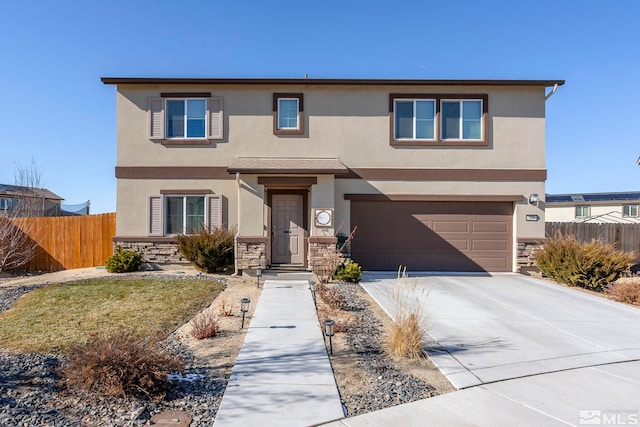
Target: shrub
(210, 251)
(351, 272)
(343, 319)
(627, 291)
(331, 296)
(590, 265)
(204, 325)
(121, 365)
(123, 261)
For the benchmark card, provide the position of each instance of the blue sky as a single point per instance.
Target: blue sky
(56, 111)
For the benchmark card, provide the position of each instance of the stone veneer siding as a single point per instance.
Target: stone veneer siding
(526, 251)
(251, 252)
(159, 252)
(319, 248)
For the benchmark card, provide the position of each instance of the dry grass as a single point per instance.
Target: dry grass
(57, 318)
(224, 309)
(406, 336)
(120, 365)
(204, 325)
(625, 290)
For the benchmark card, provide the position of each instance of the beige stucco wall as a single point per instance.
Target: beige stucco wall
(348, 123)
(568, 213)
(351, 124)
(133, 207)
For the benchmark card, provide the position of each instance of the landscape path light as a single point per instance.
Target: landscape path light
(244, 307)
(328, 331)
(258, 275)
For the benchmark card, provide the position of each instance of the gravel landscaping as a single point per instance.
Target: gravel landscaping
(368, 380)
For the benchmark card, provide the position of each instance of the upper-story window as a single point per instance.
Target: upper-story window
(186, 118)
(582, 211)
(415, 119)
(438, 119)
(630, 210)
(288, 117)
(461, 119)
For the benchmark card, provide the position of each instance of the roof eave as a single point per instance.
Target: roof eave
(328, 82)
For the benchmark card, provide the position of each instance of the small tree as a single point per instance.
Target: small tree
(17, 231)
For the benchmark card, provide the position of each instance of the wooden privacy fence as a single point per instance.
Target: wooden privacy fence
(70, 241)
(626, 237)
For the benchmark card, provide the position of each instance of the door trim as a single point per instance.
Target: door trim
(305, 219)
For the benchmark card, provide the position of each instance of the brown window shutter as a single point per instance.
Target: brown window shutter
(156, 118)
(216, 118)
(155, 215)
(215, 212)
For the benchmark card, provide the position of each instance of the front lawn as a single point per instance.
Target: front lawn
(57, 318)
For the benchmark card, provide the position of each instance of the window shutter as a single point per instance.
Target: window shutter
(155, 215)
(215, 212)
(156, 118)
(216, 118)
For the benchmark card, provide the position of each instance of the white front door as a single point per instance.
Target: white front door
(287, 229)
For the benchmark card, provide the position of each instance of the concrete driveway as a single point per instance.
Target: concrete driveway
(489, 328)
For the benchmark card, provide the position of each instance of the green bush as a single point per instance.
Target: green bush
(123, 261)
(351, 272)
(209, 250)
(590, 265)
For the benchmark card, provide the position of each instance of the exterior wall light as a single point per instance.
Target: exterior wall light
(328, 331)
(534, 199)
(244, 307)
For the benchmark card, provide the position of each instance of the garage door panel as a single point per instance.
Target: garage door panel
(489, 245)
(451, 226)
(437, 236)
(490, 226)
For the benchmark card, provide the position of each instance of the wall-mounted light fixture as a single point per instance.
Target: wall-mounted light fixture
(534, 199)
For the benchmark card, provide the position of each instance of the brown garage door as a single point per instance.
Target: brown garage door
(432, 236)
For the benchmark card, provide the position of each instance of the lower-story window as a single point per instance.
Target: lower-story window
(171, 213)
(184, 214)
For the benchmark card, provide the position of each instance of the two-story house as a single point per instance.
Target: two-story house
(440, 175)
(620, 207)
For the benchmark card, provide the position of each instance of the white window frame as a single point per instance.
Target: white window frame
(630, 211)
(461, 119)
(414, 119)
(297, 127)
(582, 209)
(165, 219)
(186, 122)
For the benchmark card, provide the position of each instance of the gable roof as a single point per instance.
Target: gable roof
(307, 81)
(581, 198)
(21, 192)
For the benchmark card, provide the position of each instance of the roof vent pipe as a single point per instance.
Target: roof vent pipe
(550, 94)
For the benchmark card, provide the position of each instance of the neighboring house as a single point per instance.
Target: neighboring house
(593, 207)
(436, 174)
(42, 202)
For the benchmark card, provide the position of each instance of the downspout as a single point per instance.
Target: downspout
(550, 94)
(238, 230)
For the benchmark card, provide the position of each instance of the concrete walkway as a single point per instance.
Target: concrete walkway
(282, 376)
